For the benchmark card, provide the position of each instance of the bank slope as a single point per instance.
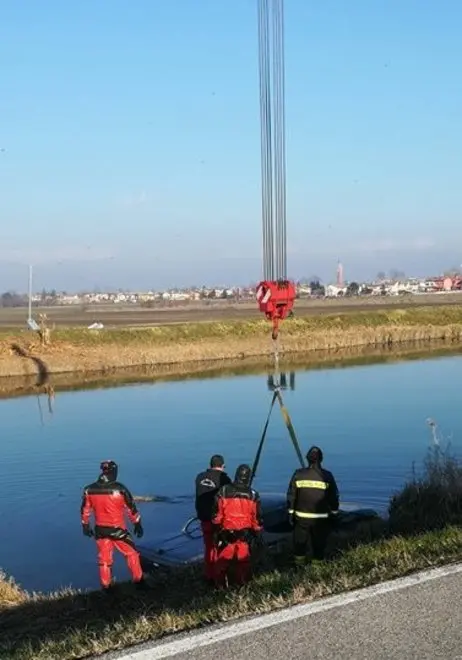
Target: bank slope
(76, 350)
(70, 625)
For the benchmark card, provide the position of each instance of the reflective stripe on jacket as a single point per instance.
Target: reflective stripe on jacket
(312, 493)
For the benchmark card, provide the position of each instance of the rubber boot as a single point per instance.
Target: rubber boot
(143, 584)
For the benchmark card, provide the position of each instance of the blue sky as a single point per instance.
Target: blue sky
(130, 140)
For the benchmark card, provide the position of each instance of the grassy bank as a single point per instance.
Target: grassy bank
(71, 625)
(84, 351)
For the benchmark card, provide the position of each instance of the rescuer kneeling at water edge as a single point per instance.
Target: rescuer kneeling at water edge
(312, 500)
(238, 515)
(208, 483)
(109, 500)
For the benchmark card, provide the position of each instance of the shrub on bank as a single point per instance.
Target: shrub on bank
(432, 499)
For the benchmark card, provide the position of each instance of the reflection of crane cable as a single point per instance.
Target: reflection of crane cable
(40, 410)
(51, 397)
(50, 392)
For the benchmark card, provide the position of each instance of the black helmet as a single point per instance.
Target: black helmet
(109, 470)
(243, 474)
(314, 455)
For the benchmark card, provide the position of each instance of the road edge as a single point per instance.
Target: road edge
(183, 642)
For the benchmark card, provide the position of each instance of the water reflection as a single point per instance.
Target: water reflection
(371, 422)
(274, 382)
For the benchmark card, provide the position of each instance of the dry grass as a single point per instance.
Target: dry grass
(299, 326)
(10, 593)
(342, 358)
(80, 350)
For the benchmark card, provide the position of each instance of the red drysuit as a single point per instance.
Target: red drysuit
(109, 501)
(238, 515)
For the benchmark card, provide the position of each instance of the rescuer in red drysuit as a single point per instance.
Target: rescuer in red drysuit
(109, 500)
(208, 483)
(238, 514)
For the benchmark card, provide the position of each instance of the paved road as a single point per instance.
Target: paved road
(406, 619)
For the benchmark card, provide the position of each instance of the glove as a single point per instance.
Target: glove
(138, 530)
(291, 519)
(87, 530)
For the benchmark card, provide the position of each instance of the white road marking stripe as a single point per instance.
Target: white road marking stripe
(201, 639)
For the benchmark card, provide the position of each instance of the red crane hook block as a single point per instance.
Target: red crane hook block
(276, 299)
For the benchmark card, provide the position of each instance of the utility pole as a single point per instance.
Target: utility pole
(30, 294)
(31, 324)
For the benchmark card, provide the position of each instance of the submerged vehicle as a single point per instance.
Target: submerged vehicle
(186, 547)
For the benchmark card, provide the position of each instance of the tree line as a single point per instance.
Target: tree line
(13, 299)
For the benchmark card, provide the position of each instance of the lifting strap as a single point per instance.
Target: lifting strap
(288, 422)
(290, 428)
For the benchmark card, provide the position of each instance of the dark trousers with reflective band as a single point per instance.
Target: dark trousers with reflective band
(310, 537)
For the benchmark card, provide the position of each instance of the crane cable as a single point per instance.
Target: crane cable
(273, 192)
(273, 160)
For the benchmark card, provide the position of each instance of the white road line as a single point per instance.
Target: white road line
(201, 639)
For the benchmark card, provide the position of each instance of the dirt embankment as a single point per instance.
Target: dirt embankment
(84, 356)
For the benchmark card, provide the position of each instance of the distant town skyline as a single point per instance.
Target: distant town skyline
(393, 284)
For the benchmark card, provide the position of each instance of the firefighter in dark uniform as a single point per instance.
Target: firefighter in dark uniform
(238, 515)
(109, 501)
(312, 501)
(208, 483)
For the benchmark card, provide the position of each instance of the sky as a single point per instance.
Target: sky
(130, 140)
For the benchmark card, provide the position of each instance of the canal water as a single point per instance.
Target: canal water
(371, 422)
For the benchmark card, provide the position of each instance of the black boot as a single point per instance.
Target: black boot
(143, 585)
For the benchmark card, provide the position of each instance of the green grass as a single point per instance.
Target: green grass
(299, 326)
(426, 512)
(78, 625)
